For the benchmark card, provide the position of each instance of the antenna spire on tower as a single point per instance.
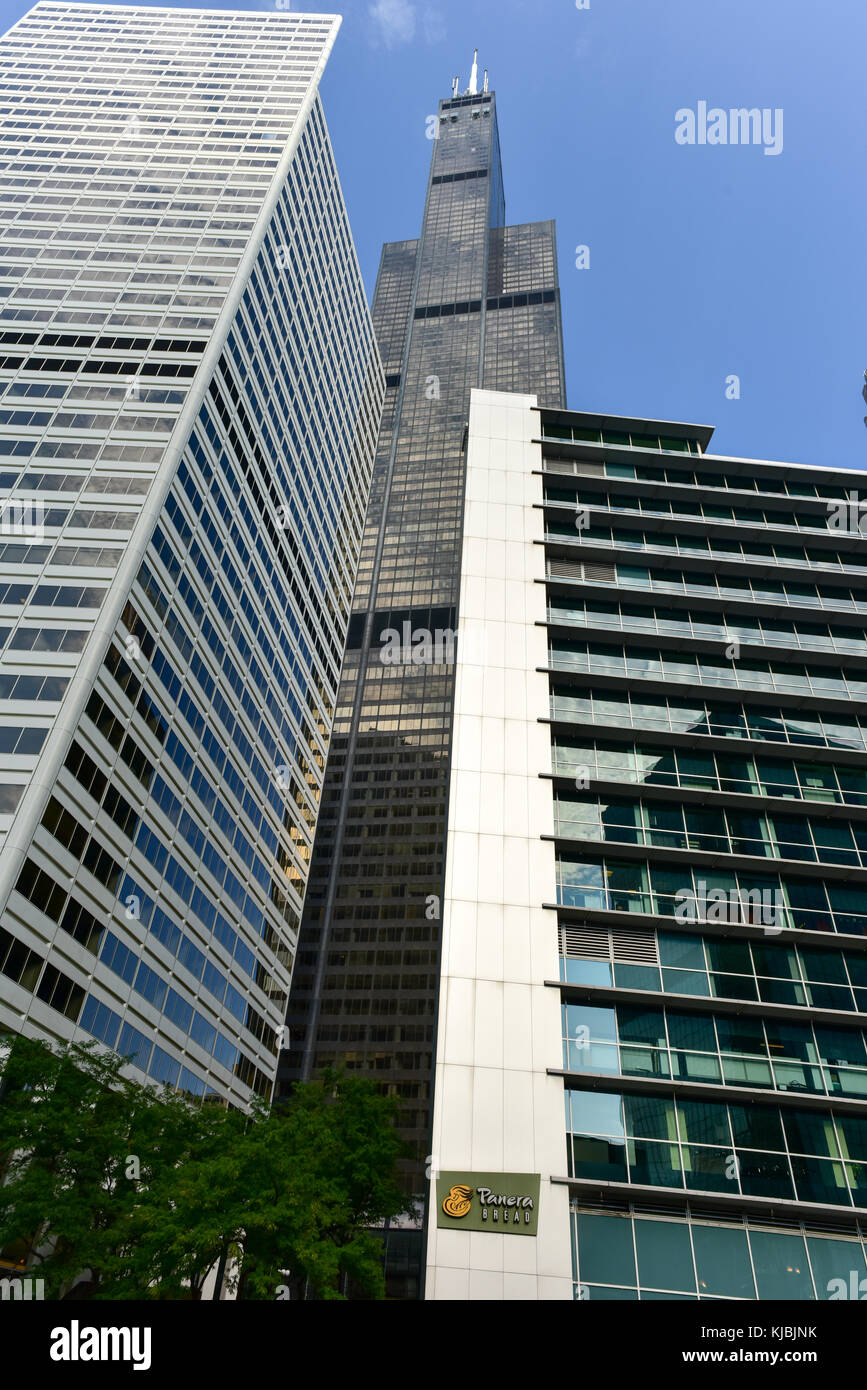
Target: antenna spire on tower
(474, 74)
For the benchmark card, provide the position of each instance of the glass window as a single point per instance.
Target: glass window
(596, 1024)
(687, 952)
(834, 1261)
(664, 1255)
(653, 1164)
(853, 1134)
(637, 976)
(594, 1157)
(594, 1112)
(827, 966)
(605, 1249)
(703, 1122)
(809, 1132)
(756, 1127)
(764, 1174)
(685, 982)
(587, 972)
(733, 957)
(841, 1047)
(642, 1026)
(733, 986)
(710, 1170)
(818, 1180)
(779, 961)
(649, 1117)
(741, 1035)
(692, 1031)
(722, 1260)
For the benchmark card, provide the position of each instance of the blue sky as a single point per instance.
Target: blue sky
(706, 261)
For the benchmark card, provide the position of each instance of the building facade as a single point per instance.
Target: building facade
(472, 302)
(191, 395)
(657, 856)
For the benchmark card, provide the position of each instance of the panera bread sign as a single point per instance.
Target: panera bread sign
(504, 1202)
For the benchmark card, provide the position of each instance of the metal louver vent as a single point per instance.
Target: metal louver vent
(608, 944)
(581, 941)
(565, 569)
(596, 470)
(638, 946)
(575, 569)
(605, 574)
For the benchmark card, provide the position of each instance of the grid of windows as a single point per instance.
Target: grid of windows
(677, 915)
(778, 901)
(754, 1151)
(712, 830)
(814, 728)
(470, 303)
(714, 967)
(774, 518)
(624, 1257)
(797, 780)
(137, 174)
(725, 550)
(635, 663)
(715, 1050)
(135, 165)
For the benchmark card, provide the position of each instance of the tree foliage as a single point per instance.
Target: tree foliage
(117, 1190)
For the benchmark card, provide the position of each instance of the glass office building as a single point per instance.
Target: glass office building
(191, 395)
(471, 302)
(655, 910)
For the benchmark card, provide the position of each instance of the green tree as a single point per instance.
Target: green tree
(82, 1147)
(297, 1190)
(144, 1190)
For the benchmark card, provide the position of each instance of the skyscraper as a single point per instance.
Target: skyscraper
(191, 395)
(657, 854)
(471, 302)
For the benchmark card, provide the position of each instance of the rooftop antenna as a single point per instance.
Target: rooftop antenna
(485, 83)
(455, 85)
(474, 74)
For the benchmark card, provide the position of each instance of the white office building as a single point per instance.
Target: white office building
(190, 402)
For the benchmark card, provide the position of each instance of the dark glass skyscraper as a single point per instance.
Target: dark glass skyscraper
(471, 303)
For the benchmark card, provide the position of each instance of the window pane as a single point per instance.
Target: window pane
(781, 1266)
(664, 1255)
(837, 1260)
(703, 1123)
(722, 1260)
(653, 1164)
(810, 1133)
(605, 1250)
(649, 1117)
(594, 1112)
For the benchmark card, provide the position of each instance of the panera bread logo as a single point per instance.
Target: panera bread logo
(458, 1201)
(505, 1202)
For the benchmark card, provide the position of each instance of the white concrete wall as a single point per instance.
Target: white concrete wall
(499, 1027)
